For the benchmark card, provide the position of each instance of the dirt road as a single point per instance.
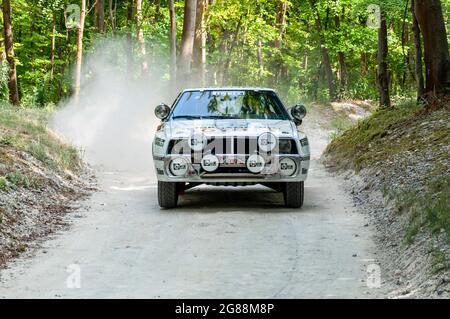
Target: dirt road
(222, 242)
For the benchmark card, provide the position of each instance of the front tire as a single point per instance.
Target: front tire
(168, 194)
(294, 193)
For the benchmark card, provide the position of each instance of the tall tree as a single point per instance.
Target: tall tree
(382, 71)
(9, 49)
(157, 9)
(173, 41)
(326, 61)
(140, 34)
(99, 17)
(199, 50)
(187, 41)
(129, 43)
(343, 74)
(53, 46)
(418, 54)
(234, 41)
(281, 23)
(112, 15)
(436, 54)
(259, 57)
(79, 58)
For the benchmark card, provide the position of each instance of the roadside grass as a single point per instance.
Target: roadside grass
(404, 131)
(363, 141)
(25, 130)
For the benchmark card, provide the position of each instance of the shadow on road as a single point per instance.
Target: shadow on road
(213, 198)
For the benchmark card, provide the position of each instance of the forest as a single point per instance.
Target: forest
(80, 81)
(319, 50)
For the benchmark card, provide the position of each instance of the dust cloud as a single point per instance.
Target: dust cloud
(114, 123)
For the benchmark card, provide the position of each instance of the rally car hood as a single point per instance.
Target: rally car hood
(236, 127)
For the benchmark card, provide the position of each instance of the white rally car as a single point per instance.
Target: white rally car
(230, 136)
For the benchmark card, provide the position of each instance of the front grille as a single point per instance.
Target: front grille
(235, 145)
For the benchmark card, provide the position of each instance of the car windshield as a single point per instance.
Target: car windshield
(229, 104)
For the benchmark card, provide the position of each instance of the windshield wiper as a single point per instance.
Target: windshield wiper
(193, 117)
(221, 117)
(190, 117)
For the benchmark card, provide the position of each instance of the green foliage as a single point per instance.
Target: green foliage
(234, 28)
(26, 130)
(3, 183)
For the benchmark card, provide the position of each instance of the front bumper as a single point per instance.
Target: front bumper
(231, 173)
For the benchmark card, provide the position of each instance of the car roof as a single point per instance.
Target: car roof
(231, 88)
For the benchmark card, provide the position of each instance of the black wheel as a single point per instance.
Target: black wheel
(293, 194)
(168, 194)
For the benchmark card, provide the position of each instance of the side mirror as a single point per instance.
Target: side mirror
(162, 111)
(298, 112)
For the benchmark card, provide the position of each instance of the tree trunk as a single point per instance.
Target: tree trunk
(259, 56)
(329, 73)
(99, 21)
(173, 42)
(199, 51)
(281, 22)
(129, 42)
(418, 54)
(281, 71)
(234, 41)
(157, 9)
(383, 73)
(325, 56)
(437, 64)
(112, 17)
(79, 59)
(187, 41)
(140, 34)
(53, 46)
(9, 49)
(2, 54)
(343, 74)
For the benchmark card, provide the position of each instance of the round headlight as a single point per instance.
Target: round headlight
(255, 163)
(267, 142)
(210, 163)
(197, 142)
(162, 111)
(298, 112)
(178, 166)
(288, 167)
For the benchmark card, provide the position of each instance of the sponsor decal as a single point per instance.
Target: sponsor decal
(255, 163)
(178, 166)
(197, 142)
(304, 141)
(210, 163)
(159, 171)
(287, 166)
(159, 141)
(267, 142)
